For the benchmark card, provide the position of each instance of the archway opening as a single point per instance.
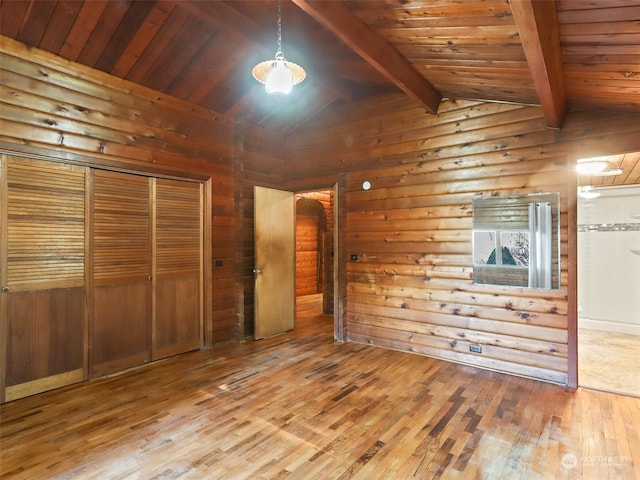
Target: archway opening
(314, 251)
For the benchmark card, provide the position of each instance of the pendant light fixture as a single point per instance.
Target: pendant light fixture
(596, 166)
(589, 166)
(278, 75)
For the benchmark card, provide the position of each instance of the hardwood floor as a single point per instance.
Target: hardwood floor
(609, 361)
(300, 406)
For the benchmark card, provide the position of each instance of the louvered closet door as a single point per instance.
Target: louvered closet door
(178, 240)
(42, 274)
(121, 266)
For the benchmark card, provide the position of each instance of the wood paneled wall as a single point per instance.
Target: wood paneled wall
(308, 251)
(64, 111)
(311, 228)
(411, 288)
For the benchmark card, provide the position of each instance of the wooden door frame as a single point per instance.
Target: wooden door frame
(572, 281)
(573, 182)
(206, 258)
(575, 152)
(3, 277)
(339, 260)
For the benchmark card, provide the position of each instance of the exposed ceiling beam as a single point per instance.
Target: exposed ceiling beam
(537, 25)
(374, 49)
(235, 23)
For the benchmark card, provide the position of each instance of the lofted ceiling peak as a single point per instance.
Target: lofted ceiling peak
(560, 55)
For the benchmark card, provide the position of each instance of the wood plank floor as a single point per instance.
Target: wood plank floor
(300, 406)
(609, 361)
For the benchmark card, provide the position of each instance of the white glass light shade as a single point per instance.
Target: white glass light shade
(589, 166)
(279, 79)
(278, 74)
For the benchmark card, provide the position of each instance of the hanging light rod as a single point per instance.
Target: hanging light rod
(278, 74)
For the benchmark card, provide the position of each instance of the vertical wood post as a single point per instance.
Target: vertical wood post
(3, 275)
(572, 276)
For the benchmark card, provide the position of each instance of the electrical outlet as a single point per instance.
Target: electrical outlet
(475, 348)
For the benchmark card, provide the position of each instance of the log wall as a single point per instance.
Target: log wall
(307, 255)
(411, 288)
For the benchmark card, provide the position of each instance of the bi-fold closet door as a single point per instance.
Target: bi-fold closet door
(100, 271)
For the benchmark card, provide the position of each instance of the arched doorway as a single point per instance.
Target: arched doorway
(314, 248)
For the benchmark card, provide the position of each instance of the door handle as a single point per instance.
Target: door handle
(5, 289)
(258, 271)
(149, 277)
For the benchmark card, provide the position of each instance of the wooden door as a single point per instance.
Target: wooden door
(42, 323)
(121, 266)
(178, 267)
(274, 237)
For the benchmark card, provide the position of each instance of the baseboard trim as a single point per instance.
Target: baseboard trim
(609, 326)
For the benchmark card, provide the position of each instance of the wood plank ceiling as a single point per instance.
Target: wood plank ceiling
(562, 55)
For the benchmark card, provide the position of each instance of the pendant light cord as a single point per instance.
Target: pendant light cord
(278, 75)
(279, 28)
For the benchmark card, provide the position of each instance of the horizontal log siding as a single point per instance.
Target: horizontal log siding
(307, 255)
(73, 113)
(411, 288)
